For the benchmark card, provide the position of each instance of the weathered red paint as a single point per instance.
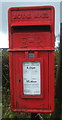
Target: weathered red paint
(31, 29)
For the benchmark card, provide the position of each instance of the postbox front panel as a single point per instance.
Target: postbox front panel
(31, 59)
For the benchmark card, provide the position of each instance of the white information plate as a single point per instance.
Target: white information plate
(31, 78)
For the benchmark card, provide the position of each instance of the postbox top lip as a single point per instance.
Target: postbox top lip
(31, 7)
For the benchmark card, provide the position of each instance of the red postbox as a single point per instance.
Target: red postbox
(31, 58)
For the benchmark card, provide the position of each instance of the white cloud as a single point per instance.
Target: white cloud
(57, 40)
(31, 1)
(3, 40)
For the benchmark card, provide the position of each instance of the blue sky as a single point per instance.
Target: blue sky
(4, 18)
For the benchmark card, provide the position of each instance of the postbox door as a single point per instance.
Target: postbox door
(21, 97)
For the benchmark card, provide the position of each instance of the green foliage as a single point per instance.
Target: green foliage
(46, 116)
(5, 69)
(57, 54)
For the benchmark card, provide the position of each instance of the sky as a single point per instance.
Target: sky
(4, 6)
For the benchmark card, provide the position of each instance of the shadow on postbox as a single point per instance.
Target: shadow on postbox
(31, 58)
